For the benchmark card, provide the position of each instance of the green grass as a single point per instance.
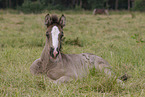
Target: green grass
(118, 38)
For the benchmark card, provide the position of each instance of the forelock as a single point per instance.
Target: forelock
(54, 19)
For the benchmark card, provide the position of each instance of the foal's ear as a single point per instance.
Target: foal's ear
(47, 20)
(62, 20)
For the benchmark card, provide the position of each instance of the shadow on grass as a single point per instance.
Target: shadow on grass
(76, 41)
(99, 82)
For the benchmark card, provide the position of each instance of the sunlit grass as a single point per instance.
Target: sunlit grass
(117, 38)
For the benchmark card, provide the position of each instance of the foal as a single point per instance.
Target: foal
(100, 11)
(61, 67)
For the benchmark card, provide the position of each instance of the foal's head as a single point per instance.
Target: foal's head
(54, 33)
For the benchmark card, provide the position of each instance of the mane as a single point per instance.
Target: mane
(54, 19)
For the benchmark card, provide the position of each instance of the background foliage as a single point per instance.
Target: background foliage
(37, 6)
(139, 5)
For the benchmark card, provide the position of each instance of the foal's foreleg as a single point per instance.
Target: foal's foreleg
(36, 67)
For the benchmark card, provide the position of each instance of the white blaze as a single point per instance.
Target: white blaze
(55, 32)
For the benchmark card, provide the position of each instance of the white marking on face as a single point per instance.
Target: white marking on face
(55, 32)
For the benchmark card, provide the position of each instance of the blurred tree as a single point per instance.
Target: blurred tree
(116, 4)
(128, 4)
(75, 4)
(139, 5)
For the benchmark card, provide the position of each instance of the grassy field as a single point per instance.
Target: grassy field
(118, 38)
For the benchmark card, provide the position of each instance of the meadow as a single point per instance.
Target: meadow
(118, 38)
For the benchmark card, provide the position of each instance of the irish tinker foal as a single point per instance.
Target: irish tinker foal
(61, 67)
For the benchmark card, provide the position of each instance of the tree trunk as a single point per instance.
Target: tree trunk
(107, 6)
(116, 5)
(81, 3)
(16, 3)
(10, 3)
(128, 4)
(77, 2)
(6, 3)
(74, 3)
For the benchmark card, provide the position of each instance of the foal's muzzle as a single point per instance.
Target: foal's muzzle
(54, 52)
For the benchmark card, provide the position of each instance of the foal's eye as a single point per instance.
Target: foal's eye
(47, 34)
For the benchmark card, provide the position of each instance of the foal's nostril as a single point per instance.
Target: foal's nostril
(55, 53)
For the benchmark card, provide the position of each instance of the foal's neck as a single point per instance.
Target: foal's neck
(45, 53)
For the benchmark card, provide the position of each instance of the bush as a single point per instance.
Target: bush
(78, 8)
(55, 7)
(31, 7)
(139, 5)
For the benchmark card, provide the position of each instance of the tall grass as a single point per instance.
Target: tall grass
(114, 37)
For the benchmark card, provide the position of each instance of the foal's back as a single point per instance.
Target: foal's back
(80, 64)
